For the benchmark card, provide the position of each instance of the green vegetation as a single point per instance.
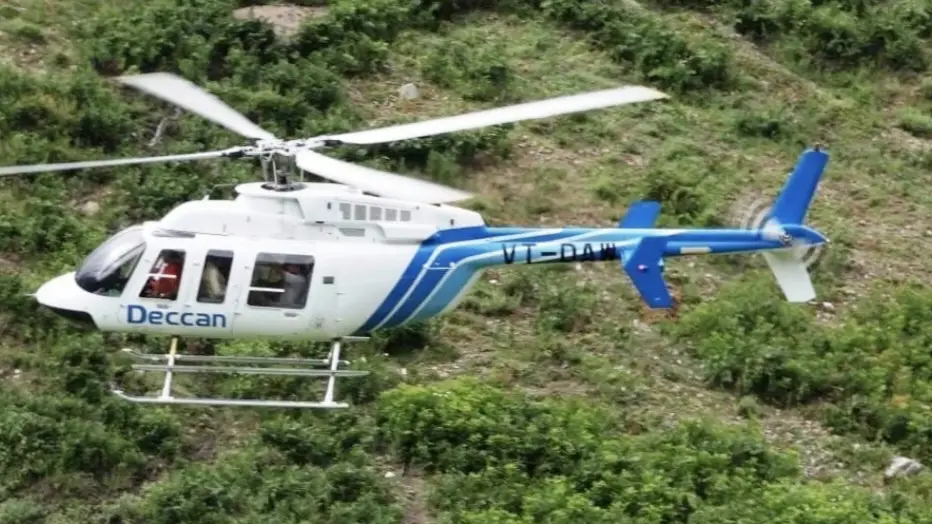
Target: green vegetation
(551, 395)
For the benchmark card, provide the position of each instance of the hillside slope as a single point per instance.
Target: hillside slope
(551, 395)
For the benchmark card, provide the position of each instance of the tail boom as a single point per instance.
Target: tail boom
(639, 247)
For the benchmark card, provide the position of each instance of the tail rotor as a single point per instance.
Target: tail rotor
(752, 214)
(784, 223)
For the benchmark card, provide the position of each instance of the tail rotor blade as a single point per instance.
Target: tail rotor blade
(503, 115)
(382, 183)
(185, 94)
(69, 166)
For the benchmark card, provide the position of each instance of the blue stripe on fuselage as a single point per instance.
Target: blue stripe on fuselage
(447, 258)
(470, 263)
(418, 281)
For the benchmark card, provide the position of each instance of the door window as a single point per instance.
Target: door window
(215, 277)
(164, 276)
(280, 281)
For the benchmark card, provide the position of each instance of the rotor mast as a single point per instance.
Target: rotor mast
(278, 171)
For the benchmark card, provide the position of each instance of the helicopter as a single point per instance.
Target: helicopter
(336, 261)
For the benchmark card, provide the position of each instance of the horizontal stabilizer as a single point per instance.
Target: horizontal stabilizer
(645, 268)
(791, 274)
(641, 215)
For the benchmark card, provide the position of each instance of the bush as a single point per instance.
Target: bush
(502, 455)
(757, 344)
(258, 486)
(874, 368)
(659, 53)
(194, 40)
(479, 72)
(46, 117)
(467, 427)
(838, 35)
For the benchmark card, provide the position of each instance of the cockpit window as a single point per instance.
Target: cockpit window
(108, 268)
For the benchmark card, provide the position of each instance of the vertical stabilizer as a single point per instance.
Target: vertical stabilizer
(790, 209)
(793, 202)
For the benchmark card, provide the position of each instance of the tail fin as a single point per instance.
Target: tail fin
(792, 203)
(641, 215)
(791, 274)
(790, 209)
(644, 262)
(644, 265)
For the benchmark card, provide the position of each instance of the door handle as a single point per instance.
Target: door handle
(290, 314)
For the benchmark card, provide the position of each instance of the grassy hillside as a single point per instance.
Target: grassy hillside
(552, 395)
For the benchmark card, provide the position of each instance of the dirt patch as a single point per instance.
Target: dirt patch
(284, 19)
(413, 493)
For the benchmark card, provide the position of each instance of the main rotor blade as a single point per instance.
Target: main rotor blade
(67, 166)
(382, 183)
(502, 115)
(187, 95)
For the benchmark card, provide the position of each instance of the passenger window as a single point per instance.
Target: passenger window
(165, 276)
(280, 281)
(345, 211)
(390, 214)
(215, 276)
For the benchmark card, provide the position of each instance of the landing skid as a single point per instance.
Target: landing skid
(327, 367)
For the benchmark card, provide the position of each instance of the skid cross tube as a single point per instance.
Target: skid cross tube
(328, 367)
(288, 372)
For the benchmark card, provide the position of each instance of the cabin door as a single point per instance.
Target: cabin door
(212, 293)
(278, 288)
(324, 316)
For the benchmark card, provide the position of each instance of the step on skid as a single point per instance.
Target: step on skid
(302, 367)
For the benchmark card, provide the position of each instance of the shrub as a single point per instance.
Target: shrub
(916, 123)
(756, 343)
(479, 72)
(875, 367)
(255, 485)
(504, 456)
(659, 53)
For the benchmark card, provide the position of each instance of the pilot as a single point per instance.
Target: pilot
(165, 283)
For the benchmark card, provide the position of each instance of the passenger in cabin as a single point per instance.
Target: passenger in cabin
(213, 283)
(296, 285)
(291, 279)
(164, 284)
(267, 276)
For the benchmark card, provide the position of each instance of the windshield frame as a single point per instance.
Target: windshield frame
(125, 247)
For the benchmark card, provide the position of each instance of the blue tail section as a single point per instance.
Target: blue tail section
(793, 202)
(644, 262)
(644, 265)
(641, 215)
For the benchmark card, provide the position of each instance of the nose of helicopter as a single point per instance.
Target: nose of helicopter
(63, 296)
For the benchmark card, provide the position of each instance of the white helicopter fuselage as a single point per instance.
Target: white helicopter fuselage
(326, 262)
(359, 248)
(321, 261)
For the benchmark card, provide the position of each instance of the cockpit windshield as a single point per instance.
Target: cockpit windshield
(107, 269)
